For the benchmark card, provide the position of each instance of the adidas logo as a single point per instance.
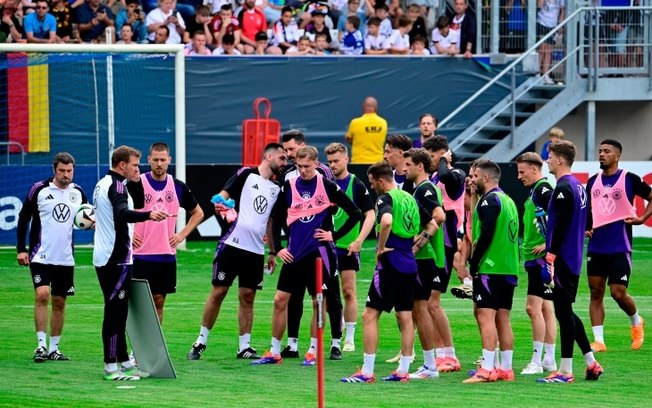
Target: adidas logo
(255, 186)
(160, 200)
(484, 203)
(49, 197)
(560, 195)
(544, 190)
(380, 202)
(437, 279)
(624, 278)
(71, 290)
(478, 298)
(428, 193)
(548, 290)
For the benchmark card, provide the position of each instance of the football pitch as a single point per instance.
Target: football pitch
(220, 380)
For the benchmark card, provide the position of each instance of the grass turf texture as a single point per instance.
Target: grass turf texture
(218, 379)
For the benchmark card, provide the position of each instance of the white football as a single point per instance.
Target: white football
(85, 216)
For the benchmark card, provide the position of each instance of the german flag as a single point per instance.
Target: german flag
(25, 101)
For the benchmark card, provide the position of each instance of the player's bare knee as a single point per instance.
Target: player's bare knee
(58, 303)
(42, 295)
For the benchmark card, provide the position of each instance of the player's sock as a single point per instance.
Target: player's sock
(496, 358)
(468, 281)
(488, 357)
(506, 359)
(404, 364)
(635, 318)
(429, 359)
(537, 352)
(276, 347)
(566, 366)
(111, 367)
(336, 343)
(293, 342)
(439, 352)
(369, 360)
(598, 333)
(350, 331)
(244, 341)
(126, 364)
(203, 335)
(449, 351)
(589, 358)
(54, 344)
(549, 357)
(41, 337)
(313, 346)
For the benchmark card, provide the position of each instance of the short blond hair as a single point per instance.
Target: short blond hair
(530, 158)
(308, 152)
(557, 132)
(336, 148)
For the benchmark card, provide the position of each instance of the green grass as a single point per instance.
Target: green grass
(218, 379)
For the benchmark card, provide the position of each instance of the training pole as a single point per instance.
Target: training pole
(320, 333)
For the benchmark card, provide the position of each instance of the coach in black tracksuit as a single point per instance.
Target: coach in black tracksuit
(112, 254)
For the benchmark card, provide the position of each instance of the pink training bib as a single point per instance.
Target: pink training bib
(156, 235)
(610, 204)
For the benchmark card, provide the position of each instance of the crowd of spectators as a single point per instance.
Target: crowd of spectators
(226, 27)
(307, 27)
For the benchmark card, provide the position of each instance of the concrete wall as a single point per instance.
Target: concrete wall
(628, 122)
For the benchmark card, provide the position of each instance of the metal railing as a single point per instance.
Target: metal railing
(578, 56)
(8, 151)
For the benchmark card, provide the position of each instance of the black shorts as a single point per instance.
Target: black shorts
(230, 262)
(60, 278)
(391, 289)
(347, 262)
(535, 285)
(543, 31)
(440, 280)
(565, 282)
(494, 291)
(616, 268)
(299, 275)
(161, 276)
(425, 275)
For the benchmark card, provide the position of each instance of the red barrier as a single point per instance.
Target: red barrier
(258, 132)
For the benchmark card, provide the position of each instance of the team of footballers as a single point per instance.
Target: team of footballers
(430, 218)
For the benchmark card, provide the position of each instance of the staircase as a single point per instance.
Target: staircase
(495, 127)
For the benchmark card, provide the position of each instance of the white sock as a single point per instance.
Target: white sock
(111, 367)
(313, 345)
(449, 352)
(549, 357)
(566, 366)
(404, 364)
(468, 281)
(350, 331)
(506, 359)
(598, 333)
(537, 352)
(497, 358)
(126, 364)
(244, 341)
(293, 342)
(488, 357)
(369, 360)
(337, 343)
(429, 359)
(203, 335)
(589, 358)
(54, 343)
(439, 352)
(635, 318)
(275, 349)
(41, 337)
